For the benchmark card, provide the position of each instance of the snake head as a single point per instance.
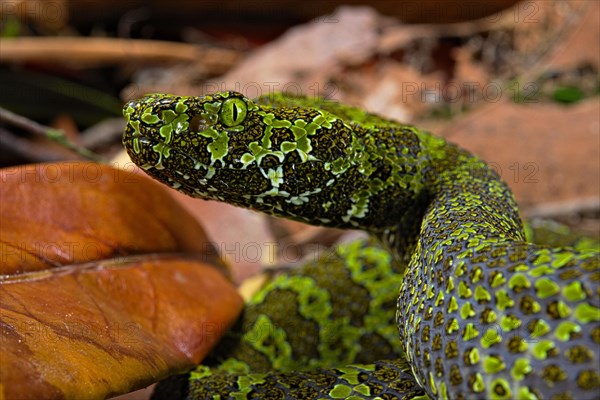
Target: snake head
(228, 148)
(281, 156)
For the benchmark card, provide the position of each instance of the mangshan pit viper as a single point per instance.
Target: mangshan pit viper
(481, 313)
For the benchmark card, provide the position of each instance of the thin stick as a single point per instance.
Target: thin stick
(98, 51)
(56, 135)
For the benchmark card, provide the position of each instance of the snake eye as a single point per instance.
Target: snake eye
(233, 112)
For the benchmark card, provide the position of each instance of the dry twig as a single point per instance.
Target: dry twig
(54, 135)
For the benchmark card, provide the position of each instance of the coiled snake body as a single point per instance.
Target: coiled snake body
(481, 313)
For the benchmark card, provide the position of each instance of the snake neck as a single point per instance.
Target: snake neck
(466, 195)
(460, 195)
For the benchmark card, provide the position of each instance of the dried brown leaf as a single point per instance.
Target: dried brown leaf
(89, 307)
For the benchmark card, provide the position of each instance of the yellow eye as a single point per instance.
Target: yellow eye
(233, 112)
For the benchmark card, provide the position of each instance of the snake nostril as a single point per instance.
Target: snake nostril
(198, 123)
